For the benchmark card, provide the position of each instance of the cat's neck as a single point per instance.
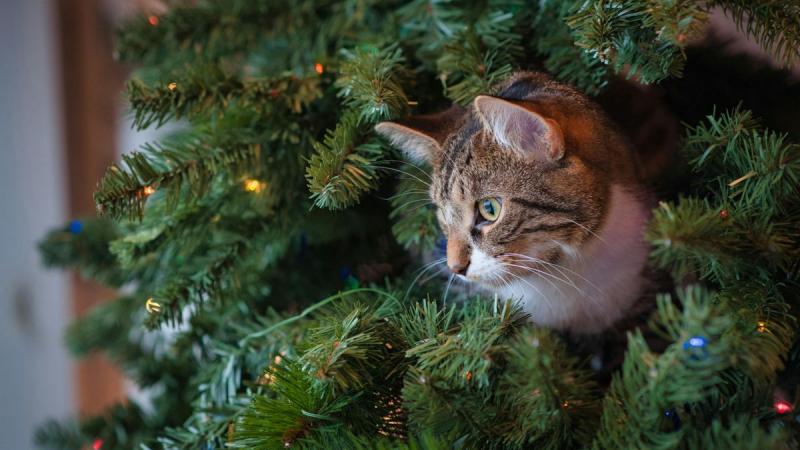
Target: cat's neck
(598, 283)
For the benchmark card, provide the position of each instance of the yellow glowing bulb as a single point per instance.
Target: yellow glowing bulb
(319, 68)
(266, 378)
(762, 327)
(152, 306)
(172, 86)
(278, 359)
(253, 185)
(148, 191)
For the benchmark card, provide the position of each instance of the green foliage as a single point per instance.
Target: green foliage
(209, 91)
(86, 250)
(772, 23)
(412, 211)
(553, 40)
(554, 399)
(646, 42)
(341, 170)
(752, 177)
(53, 435)
(344, 165)
(226, 228)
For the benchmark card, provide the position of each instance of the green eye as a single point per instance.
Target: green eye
(489, 208)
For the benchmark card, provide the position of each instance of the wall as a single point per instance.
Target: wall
(35, 372)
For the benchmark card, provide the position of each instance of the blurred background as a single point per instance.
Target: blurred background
(62, 122)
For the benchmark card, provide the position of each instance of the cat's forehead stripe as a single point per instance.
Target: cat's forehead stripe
(458, 153)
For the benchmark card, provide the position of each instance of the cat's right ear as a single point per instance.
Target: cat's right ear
(421, 137)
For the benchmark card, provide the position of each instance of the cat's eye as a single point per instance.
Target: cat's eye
(489, 208)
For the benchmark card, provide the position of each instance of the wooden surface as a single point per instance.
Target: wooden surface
(92, 83)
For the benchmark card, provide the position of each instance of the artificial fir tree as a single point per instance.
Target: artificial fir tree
(268, 251)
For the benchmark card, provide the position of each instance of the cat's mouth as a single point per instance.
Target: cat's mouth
(499, 270)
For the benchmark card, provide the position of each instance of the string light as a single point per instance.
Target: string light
(388, 345)
(75, 227)
(782, 407)
(697, 347)
(278, 359)
(762, 327)
(469, 375)
(724, 214)
(672, 414)
(172, 86)
(152, 306)
(253, 185)
(97, 444)
(266, 378)
(148, 191)
(319, 68)
(153, 20)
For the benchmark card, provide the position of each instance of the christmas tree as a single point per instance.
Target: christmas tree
(270, 253)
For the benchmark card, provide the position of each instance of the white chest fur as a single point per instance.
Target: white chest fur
(599, 283)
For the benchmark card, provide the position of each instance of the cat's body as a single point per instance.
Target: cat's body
(541, 200)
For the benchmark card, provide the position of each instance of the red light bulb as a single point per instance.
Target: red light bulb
(782, 407)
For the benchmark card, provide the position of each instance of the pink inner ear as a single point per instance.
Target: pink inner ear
(521, 130)
(526, 130)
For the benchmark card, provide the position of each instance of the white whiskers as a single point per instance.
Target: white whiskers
(422, 271)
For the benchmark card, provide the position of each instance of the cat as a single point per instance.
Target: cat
(541, 199)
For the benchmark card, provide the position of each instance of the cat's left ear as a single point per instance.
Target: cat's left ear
(521, 130)
(421, 137)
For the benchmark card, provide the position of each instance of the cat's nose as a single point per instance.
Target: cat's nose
(459, 269)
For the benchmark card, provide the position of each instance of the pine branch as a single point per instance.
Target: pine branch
(208, 429)
(344, 353)
(702, 371)
(179, 291)
(760, 168)
(552, 38)
(414, 219)
(467, 69)
(466, 359)
(370, 82)
(297, 410)
(650, 384)
(207, 90)
(205, 31)
(84, 245)
(188, 161)
(773, 24)
(478, 58)
(740, 433)
(692, 237)
(343, 168)
(753, 176)
(644, 40)
(55, 435)
(551, 402)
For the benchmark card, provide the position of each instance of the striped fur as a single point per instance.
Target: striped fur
(568, 242)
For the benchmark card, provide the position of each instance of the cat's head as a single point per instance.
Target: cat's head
(521, 181)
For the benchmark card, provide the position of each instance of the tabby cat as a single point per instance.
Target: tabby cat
(540, 198)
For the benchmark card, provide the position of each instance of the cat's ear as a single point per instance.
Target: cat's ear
(521, 130)
(421, 137)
